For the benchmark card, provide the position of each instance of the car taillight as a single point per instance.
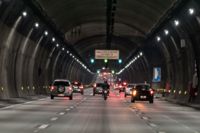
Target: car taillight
(95, 85)
(124, 83)
(52, 88)
(134, 93)
(81, 87)
(120, 86)
(151, 92)
(70, 88)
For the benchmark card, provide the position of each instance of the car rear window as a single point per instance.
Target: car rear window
(131, 86)
(62, 83)
(142, 87)
(99, 85)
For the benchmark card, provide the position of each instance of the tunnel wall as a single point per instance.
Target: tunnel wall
(29, 60)
(178, 54)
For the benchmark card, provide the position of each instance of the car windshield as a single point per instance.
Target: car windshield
(142, 87)
(61, 83)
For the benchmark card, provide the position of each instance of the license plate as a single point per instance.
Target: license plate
(143, 97)
(60, 95)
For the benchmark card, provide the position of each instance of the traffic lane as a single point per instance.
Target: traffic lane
(95, 115)
(167, 117)
(26, 117)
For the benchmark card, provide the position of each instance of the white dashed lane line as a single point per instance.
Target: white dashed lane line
(54, 118)
(43, 126)
(61, 113)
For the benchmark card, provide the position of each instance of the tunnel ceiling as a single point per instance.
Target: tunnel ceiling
(84, 23)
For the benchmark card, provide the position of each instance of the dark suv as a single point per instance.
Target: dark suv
(77, 87)
(142, 92)
(61, 88)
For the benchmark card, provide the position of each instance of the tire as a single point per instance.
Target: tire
(125, 95)
(71, 97)
(132, 100)
(82, 92)
(93, 94)
(105, 97)
(52, 97)
(119, 91)
(151, 101)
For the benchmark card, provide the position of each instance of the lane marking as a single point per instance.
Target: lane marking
(61, 113)
(145, 118)
(161, 132)
(67, 109)
(152, 125)
(43, 126)
(54, 118)
(71, 107)
(35, 131)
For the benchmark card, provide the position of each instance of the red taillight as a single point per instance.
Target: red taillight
(81, 87)
(151, 92)
(95, 85)
(52, 88)
(124, 83)
(120, 86)
(70, 88)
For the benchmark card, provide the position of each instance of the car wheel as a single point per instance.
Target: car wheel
(119, 91)
(71, 97)
(93, 93)
(52, 97)
(132, 100)
(125, 95)
(82, 93)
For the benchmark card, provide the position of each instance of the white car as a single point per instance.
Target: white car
(61, 88)
(128, 89)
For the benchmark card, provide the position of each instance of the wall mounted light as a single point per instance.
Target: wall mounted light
(46, 33)
(53, 39)
(24, 13)
(36, 24)
(176, 22)
(191, 11)
(166, 32)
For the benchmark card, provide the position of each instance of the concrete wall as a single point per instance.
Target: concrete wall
(29, 60)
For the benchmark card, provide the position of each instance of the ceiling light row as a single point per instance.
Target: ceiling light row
(53, 39)
(131, 62)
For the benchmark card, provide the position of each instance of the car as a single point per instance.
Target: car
(61, 88)
(128, 89)
(98, 88)
(142, 92)
(77, 87)
(122, 86)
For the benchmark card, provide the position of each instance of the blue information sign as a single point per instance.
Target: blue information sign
(156, 74)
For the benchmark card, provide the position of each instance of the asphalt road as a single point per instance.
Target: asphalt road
(91, 114)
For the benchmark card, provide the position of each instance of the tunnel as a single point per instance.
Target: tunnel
(44, 40)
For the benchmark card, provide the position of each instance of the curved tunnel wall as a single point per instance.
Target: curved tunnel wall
(29, 60)
(178, 54)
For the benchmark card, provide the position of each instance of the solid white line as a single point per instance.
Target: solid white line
(72, 107)
(43, 126)
(161, 132)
